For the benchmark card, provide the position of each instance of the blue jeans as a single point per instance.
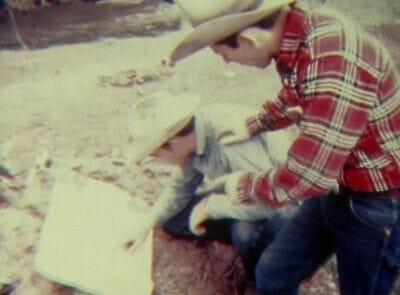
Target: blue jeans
(248, 238)
(363, 230)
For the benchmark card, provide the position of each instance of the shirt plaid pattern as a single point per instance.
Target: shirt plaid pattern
(345, 82)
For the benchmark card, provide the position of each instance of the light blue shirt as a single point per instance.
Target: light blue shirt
(212, 159)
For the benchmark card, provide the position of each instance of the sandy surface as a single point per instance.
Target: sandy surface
(68, 106)
(63, 104)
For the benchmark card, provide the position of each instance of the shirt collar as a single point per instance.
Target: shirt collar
(294, 33)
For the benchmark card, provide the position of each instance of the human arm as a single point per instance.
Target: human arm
(336, 109)
(172, 199)
(219, 206)
(277, 118)
(250, 155)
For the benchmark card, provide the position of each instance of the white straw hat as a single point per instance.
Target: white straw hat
(214, 20)
(157, 118)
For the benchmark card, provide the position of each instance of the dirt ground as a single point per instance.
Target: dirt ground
(68, 106)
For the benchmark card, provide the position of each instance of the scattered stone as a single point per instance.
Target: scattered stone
(21, 230)
(118, 163)
(147, 78)
(7, 289)
(131, 77)
(4, 172)
(37, 191)
(122, 79)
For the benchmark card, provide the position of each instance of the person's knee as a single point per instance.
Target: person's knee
(263, 276)
(272, 279)
(243, 233)
(268, 281)
(265, 282)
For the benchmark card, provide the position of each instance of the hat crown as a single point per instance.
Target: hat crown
(160, 111)
(200, 11)
(213, 20)
(157, 118)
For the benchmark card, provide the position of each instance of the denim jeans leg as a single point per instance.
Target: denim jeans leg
(251, 238)
(387, 277)
(362, 226)
(389, 272)
(296, 252)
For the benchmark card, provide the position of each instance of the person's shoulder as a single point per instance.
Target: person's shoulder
(327, 29)
(333, 34)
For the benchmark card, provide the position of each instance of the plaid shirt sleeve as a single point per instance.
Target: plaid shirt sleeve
(272, 117)
(338, 93)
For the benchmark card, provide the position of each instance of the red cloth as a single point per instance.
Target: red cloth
(345, 82)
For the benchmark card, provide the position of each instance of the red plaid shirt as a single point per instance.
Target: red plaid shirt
(345, 82)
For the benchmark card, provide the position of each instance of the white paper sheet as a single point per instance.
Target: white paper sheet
(80, 242)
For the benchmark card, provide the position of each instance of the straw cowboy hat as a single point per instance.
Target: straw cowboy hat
(155, 119)
(214, 20)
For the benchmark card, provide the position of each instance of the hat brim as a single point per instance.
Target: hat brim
(143, 147)
(147, 142)
(217, 29)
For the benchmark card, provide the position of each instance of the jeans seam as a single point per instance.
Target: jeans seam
(396, 204)
(357, 216)
(381, 256)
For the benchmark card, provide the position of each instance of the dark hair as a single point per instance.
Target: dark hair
(230, 41)
(265, 23)
(189, 127)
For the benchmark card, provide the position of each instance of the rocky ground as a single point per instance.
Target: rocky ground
(68, 106)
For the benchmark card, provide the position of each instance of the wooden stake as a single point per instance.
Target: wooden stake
(17, 33)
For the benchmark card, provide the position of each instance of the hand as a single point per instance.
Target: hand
(236, 132)
(279, 119)
(138, 235)
(198, 216)
(238, 186)
(294, 113)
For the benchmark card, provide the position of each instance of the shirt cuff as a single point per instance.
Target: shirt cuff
(258, 123)
(220, 207)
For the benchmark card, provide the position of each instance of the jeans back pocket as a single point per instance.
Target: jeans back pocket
(382, 215)
(392, 252)
(379, 214)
